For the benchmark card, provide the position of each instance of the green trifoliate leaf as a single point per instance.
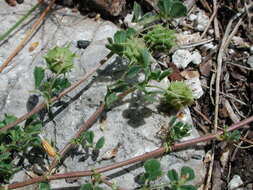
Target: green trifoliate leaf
(133, 71)
(110, 99)
(153, 169)
(100, 143)
(87, 186)
(178, 10)
(172, 175)
(44, 186)
(89, 136)
(187, 173)
(137, 12)
(39, 74)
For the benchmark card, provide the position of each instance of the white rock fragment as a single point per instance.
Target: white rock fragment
(196, 58)
(251, 49)
(235, 182)
(231, 51)
(238, 41)
(128, 21)
(250, 61)
(211, 31)
(202, 21)
(181, 58)
(192, 80)
(195, 85)
(209, 46)
(192, 17)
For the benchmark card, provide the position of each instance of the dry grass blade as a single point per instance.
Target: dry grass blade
(27, 36)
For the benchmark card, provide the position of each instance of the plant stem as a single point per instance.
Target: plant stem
(4, 35)
(83, 128)
(145, 156)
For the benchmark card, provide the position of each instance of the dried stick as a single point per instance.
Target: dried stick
(210, 21)
(219, 66)
(27, 36)
(223, 46)
(145, 156)
(66, 91)
(19, 21)
(216, 23)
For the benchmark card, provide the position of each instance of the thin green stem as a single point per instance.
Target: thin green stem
(9, 31)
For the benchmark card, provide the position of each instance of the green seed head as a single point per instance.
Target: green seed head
(178, 95)
(60, 60)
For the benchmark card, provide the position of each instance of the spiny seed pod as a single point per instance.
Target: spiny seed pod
(47, 147)
(60, 60)
(178, 95)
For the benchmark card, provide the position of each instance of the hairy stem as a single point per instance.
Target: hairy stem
(145, 156)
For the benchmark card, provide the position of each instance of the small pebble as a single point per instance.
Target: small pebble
(83, 44)
(235, 182)
(192, 17)
(210, 31)
(181, 58)
(250, 61)
(251, 49)
(20, 1)
(202, 21)
(196, 58)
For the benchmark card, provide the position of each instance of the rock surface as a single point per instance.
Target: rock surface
(131, 124)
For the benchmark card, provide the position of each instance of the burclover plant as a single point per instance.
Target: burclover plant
(59, 62)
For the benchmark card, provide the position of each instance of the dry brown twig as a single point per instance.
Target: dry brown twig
(210, 21)
(216, 23)
(225, 41)
(27, 36)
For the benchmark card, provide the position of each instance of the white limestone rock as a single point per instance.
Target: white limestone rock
(235, 182)
(181, 58)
